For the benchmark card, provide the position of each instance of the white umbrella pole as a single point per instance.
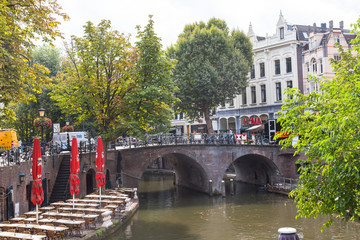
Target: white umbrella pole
(37, 214)
(100, 196)
(73, 200)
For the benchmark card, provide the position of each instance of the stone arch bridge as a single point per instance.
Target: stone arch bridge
(195, 165)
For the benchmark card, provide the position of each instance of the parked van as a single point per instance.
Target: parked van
(60, 139)
(8, 139)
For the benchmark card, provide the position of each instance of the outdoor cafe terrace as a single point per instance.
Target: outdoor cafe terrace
(74, 218)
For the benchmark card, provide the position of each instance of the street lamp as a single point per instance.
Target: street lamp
(67, 122)
(42, 114)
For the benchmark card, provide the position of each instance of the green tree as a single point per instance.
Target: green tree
(100, 72)
(22, 22)
(212, 67)
(124, 89)
(49, 57)
(26, 112)
(153, 95)
(327, 123)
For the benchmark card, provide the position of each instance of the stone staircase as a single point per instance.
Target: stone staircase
(61, 189)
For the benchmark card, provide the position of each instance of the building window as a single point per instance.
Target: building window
(262, 69)
(313, 86)
(278, 92)
(263, 93)
(312, 43)
(244, 96)
(308, 67)
(231, 102)
(288, 65)
(289, 84)
(277, 67)
(176, 116)
(252, 71)
(181, 116)
(282, 33)
(314, 65)
(222, 104)
(337, 38)
(253, 94)
(321, 66)
(337, 57)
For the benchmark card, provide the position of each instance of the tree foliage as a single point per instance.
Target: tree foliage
(49, 57)
(123, 88)
(212, 66)
(327, 123)
(99, 73)
(22, 22)
(153, 96)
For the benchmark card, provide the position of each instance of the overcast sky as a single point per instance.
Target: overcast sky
(170, 16)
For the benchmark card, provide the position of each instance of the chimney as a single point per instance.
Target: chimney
(341, 24)
(331, 24)
(323, 26)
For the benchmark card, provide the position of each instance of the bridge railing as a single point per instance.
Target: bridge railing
(194, 138)
(283, 183)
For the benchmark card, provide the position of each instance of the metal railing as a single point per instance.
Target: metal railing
(283, 183)
(197, 138)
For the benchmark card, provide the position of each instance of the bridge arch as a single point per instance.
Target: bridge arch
(255, 169)
(189, 173)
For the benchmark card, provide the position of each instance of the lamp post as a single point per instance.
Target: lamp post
(42, 114)
(67, 122)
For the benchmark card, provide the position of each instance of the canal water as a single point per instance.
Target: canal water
(167, 212)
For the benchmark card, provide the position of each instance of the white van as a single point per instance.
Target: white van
(60, 139)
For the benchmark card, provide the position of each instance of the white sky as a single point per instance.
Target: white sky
(171, 16)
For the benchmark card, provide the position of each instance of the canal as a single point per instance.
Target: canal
(167, 212)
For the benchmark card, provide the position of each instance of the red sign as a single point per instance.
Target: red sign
(252, 121)
(241, 137)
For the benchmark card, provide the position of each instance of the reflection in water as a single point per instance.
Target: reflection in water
(169, 213)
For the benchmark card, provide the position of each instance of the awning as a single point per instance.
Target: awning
(256, 127)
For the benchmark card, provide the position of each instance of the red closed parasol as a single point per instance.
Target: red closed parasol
(37, 194)
(100, 160)
(74, 169)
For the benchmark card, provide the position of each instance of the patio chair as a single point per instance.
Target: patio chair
(42, 234)
(89, 222)
(21, 229)
(63, 233)
(53, 234)
(77, 228)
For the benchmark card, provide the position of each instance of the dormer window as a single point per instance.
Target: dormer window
(281, 33)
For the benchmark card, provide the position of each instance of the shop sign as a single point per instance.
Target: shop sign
(241, 137)
(252, 121)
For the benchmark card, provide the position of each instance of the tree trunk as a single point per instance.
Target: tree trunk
(208, 121)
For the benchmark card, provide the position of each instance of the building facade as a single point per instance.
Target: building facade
(319, 51)
(277, 66)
